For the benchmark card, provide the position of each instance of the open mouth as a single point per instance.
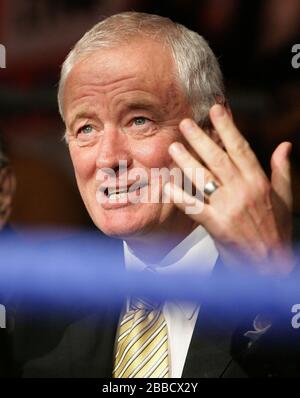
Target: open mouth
(121, 193)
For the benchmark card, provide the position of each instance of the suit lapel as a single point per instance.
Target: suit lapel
(216, 339)
(96, 337)
(85, 349)
(210, 350)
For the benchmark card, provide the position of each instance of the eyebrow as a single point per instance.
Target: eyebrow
(144, 104)
(137, 104)
(82, 115)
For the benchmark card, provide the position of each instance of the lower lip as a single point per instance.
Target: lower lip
(131, 199)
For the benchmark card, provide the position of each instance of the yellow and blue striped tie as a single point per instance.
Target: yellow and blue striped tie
(142, 345)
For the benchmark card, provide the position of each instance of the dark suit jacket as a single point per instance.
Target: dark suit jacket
(80, 344)
(83, 348)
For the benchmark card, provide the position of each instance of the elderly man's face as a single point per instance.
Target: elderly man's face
(123, 104)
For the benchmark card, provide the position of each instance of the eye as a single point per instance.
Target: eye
(140, 121)
(87, 129)
(139, 126)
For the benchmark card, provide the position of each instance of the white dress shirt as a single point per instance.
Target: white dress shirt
(195, 254)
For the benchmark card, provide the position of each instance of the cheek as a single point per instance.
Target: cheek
(154, 153)
(83, 162)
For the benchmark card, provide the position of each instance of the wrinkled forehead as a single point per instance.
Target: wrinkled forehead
(147, 61)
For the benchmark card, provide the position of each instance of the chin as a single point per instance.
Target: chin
(121, 225)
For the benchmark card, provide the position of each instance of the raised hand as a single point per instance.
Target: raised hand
(248, 215)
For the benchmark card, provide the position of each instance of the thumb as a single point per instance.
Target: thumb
(281, 173)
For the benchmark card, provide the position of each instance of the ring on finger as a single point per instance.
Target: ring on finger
(210, 187)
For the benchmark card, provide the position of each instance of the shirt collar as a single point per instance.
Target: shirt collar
(194, 254)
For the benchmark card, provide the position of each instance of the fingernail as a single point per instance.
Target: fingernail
(218, 110)
(289, 149)
(176, 148)
(187, 125)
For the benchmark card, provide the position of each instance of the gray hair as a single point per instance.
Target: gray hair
(198, 70)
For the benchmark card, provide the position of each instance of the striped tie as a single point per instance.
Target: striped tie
(142, 346)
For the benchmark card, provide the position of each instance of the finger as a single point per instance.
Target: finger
(281, 173)
(192, 169)
(215, 158)
(210, 219)
(190, 205)
(236, 145)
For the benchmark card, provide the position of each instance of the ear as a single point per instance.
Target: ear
(7, 190)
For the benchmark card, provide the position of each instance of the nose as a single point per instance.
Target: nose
(114, 151)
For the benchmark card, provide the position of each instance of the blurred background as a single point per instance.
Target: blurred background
(252, 40)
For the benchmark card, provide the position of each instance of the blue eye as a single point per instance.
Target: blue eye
(140, 121)
(139, 126)
(87, 129)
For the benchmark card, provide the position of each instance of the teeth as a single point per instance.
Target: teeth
(117, 191)
(118, 196)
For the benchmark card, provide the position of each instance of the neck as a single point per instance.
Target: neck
(152, 247)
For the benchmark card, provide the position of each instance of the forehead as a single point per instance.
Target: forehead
(145, 65)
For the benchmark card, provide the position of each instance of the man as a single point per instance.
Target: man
(142, 100)
(141, 91)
